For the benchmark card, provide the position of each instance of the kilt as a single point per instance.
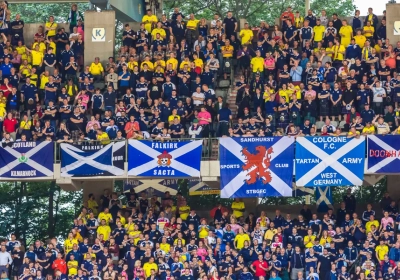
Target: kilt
(344, 110)
(283, 123)
(396, 97)
(324, 108)
(335, 110)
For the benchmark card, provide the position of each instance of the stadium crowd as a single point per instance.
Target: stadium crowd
(151, 238)
(310, 75)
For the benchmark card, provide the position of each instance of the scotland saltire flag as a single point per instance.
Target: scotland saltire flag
(329, 161)
(164, 159)
(92, 159)
(302, 191)
(323, 198)
(383, 154)
(152, 186)
(27, 160)
(256, 166)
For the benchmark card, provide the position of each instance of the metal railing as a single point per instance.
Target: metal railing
(210, 148)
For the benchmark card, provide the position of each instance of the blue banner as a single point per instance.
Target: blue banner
(27, 159)
(329, 161)
(323, 198)
(92, 159)
(164, 159)
(383, 154)
(152, 187)
(256, 166)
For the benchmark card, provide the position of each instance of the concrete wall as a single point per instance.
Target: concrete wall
(32, 28)
(106, 20)
(134, 9)
(392, 15)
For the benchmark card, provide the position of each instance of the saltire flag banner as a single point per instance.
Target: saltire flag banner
(302, 191)
(198, 187)
(164, 159)
(92, 159)
(323, 198)
(27, 160)
(329, 161)
(152, 186)
(383, 154)
(256, 166)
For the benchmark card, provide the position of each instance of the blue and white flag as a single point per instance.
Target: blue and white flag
(152, 186)
(302, 191)
(383, 154)
(27, 160)
(323, 198)
(329, 161)
(164, 159)
(92, 159)
(256, 166)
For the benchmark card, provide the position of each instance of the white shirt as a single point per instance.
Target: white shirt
(199, 95)
(5, 258)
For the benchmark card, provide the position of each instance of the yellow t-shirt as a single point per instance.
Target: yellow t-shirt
(129, 228)
(43, 81)
(346, 32)
(134, 233)
(174, 63)
(148, 21)
(368, 28)
(238, 205)
(150, 65)
(53, 46)
(198, 63)
(92, 204)
(246, 35)
(25, 125)
(53, 27)
(37, 57)
(22, 51)
(336, 50)
(328, 51)
(382, 251)
(297, 90)
(318, 33)
(72, 270)
(227, 48)
(25, 70)
(160, 31)
(165, 247)
(285, 93)
(240, 239)
(192, 23)
(369, 224)
(309, 241)
(105, 231)
(269, 234)
(326, 240)
(360, 40)
(68, 244)
(370, 130)
(96, 69)
(268, 94)
(132, 64)
(203, 232)
(42, 47)
(148, 267)
(34, 79)
(103, 216)
(185, 214)
(183, 63)
(258, 64)
(103, 138)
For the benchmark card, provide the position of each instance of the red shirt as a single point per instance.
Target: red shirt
(10, 125)
(259, 271)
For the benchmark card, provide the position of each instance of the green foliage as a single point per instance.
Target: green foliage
(27, 213)
(256, 10)
(35, 13)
